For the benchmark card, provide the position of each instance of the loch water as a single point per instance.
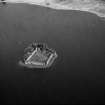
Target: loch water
(76, 76)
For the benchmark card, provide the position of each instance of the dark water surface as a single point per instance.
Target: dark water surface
(77, 76)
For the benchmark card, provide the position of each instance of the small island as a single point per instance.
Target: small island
(38, 55)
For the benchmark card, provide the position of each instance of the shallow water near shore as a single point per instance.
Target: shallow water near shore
(77, 75)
